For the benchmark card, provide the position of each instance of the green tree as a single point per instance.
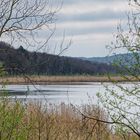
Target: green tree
(121, 101)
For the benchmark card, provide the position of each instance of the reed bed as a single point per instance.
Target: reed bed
(36, 121)
(62, 79)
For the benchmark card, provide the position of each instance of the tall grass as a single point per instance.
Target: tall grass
(36, 121)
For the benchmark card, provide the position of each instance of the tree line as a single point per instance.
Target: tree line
(21, 61)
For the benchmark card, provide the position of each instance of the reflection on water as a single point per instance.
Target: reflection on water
(76, 94)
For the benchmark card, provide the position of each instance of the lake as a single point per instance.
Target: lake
(75, 93)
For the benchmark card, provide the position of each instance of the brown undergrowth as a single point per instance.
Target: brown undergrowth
(37, 121)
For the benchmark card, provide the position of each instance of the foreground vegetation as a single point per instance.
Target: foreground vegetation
(35, 121)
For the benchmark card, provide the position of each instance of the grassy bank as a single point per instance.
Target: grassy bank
(53, 122)
(62, 79)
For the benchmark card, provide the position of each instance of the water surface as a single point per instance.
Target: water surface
(81, 93)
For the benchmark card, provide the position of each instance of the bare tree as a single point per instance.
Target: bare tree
(24, 20)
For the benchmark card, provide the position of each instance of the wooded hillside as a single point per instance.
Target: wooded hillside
(19, 61)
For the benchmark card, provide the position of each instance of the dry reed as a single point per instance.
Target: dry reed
(35, 121)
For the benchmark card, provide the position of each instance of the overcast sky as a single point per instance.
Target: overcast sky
(90, 24)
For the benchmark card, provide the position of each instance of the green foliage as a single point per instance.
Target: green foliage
(2, 70)
(123, 101)
(35, 122)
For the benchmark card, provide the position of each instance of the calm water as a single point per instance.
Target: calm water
(80, 93)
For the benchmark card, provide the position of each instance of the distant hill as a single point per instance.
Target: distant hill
(127, 59)
(21, 61)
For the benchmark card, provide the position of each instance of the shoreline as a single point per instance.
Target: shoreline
(42, 80)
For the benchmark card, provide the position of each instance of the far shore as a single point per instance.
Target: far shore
(62, 79)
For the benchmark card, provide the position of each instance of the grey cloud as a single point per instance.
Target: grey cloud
(82, 31)
(66, 2)
(93, 16)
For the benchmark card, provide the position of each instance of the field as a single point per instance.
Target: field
(62, 79)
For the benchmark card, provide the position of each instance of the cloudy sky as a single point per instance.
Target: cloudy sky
(90, 24)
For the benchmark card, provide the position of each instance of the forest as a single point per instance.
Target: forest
(20, 61)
